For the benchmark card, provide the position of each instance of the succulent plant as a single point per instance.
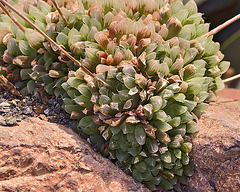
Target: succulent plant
(163, 71)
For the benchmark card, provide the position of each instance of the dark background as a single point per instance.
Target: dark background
(217, 12)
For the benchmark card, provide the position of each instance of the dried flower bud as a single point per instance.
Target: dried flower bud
(165, 13)
(174, 27)
(101, 55)
(117, 59)
(177, 66)
(102, 39)
(173, 42)
(132, 40)
(95, 7)
(156, 16)
(163, 31)
(150, 7)
(113, 29)
(189, 71)
(144, 32)
(110, 60)
(133, 5)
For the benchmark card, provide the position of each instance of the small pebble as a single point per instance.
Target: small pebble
(39, 109)
(11, 121)
(46, 111)
(5, 104)
(28, 111)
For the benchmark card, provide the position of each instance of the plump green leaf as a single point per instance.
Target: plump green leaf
(160, 116)
(188, 170)
(186, 147)
(162, 126)
(152, 145)
(140, 134)
(74, 82)
(141, 167)
(166, 157)
(122, 156)
(156, 102)
(137, 175)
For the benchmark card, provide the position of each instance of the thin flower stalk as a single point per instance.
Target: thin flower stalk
(231, 78)
(59, 47)
(60, 12)
(12, 17)
(221, 27)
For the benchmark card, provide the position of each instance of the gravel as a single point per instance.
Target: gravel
(13, 110)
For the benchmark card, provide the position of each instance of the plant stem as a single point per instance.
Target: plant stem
(12, 17)
(164, 176)
(231, 78)
(220, 27)
(59, 47)
(60, 12)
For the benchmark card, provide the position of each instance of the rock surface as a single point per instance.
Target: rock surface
(42, 156)
(216, 147)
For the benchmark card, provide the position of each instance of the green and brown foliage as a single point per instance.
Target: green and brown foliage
(150, 51)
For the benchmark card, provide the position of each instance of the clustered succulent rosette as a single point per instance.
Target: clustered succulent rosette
(153, 55)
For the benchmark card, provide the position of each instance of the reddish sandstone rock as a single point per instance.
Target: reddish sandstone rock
(42, 156)
(216, 147)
